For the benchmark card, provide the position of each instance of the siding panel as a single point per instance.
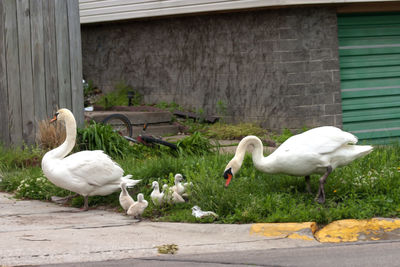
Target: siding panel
(369, 50)
(110, 10)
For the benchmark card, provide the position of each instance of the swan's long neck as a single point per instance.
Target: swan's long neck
(157, 188)
(260, 162)
(124, 192)
(69, 143)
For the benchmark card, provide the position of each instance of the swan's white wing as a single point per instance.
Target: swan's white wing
(319, 140)
(93, 167)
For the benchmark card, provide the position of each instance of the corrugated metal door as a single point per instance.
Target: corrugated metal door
(369, 53)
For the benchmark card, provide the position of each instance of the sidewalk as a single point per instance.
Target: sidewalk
(35, 232)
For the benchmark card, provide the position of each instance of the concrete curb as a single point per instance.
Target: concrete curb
(335, 232)
(303, 231)
(360, 230)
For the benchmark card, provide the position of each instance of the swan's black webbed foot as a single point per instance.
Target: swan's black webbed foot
(321, 191)
(63, 200)
(86, 203)
(321, 198)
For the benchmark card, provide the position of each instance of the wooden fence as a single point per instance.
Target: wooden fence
(40, 65)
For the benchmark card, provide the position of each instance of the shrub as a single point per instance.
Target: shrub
(50, 135)
(102, 137)
(38, 187)
(195, 144)
(119, 97)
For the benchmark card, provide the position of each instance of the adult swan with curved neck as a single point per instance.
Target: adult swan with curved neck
(319, 150)
(88, 173)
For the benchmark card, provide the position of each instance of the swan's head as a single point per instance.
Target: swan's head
(62, 114)
(195, 208)
(179, 177)
(154, 184)
(165, 187)
(140, 197)
(230, 170)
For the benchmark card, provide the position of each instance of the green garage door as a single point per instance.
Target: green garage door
(369, 53)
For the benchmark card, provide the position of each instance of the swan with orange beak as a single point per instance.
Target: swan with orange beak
(319, 150)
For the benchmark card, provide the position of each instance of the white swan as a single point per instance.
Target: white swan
(137, 209)
(178, 187)
(319, 150)
(125, 200)
(156, 196)
(87, 173)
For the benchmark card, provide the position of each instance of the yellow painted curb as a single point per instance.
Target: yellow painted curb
(302, 231)
(357, 230)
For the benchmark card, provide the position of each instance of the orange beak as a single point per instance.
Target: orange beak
(53, 119)
(228, 180)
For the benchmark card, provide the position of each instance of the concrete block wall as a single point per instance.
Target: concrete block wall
(276, 67)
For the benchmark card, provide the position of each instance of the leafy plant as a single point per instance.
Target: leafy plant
(38, 187)
(88, 88)
(119, 97)
(221, 108)
(102, 137)
(195, 144)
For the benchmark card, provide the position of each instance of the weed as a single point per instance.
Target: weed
(102, 137)
(238, 131)
(119, 97)
(26, 156)
(195, 144)
(50, 135)
(221, 108)
(171, 107)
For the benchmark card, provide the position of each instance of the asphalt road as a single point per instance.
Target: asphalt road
(383, 253)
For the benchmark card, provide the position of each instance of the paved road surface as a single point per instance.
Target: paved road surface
(386, 253)
(38, 233)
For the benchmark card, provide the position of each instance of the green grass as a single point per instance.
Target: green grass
(234, 131)
(119, 97)
(368, 187)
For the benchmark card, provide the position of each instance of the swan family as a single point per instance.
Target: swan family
(319, 150)
(89, 173)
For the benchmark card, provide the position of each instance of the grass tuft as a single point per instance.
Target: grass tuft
(50, 135)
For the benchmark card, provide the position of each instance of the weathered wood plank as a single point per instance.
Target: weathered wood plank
(63, 66)
(50, 57)
(38, 71)
(25, 67)
(13, 77)
(37, 60)
(4, 132)
(76, 60)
